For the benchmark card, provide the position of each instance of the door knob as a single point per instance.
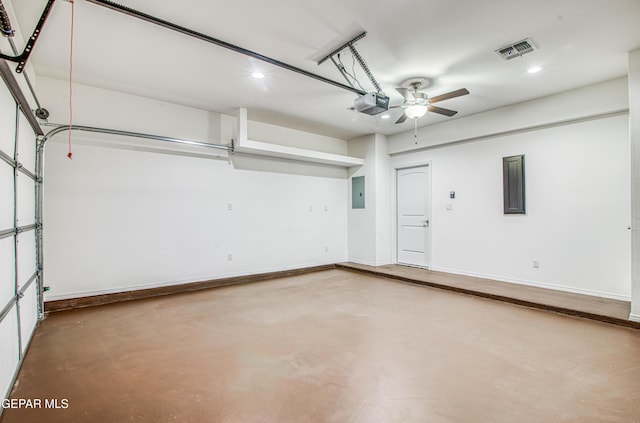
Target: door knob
(426, 223)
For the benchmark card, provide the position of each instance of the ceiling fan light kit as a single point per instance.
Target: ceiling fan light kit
(417, 104)
(416, 111)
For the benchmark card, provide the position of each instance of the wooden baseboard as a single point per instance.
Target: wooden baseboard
(96, 300)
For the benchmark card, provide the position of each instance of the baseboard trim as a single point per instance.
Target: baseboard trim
(364, 262)
(634, 317)
(138, 294)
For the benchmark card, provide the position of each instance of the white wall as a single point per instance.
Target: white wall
(577, 194)
(384, 204)
(274, 134)
(578, 153)
(362, 222)
(594, 100)
(369, 231)
(119, 219)
(634, 133)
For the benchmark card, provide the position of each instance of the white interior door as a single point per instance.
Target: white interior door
(414, 215)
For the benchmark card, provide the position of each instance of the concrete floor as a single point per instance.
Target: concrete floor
(332, 346)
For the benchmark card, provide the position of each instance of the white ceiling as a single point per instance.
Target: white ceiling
(579, 42)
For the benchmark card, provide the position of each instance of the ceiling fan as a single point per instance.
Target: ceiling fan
(417, 103)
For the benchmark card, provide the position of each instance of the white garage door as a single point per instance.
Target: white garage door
(18, 267)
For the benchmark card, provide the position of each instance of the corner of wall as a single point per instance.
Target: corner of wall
(369, 228)
(634, 141)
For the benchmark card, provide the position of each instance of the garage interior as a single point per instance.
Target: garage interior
(319, 212)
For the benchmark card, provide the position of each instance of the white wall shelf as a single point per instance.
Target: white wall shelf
(247, 146)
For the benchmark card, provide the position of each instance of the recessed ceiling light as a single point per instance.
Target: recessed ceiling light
(258, 75)
(535, 69)
(385, 116)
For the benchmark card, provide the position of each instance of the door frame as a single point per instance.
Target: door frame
(396, 170)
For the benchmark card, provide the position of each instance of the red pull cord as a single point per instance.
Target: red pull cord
(70, 154)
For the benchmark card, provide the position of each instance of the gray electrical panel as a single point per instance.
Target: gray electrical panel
(357, 192)
(513, 184)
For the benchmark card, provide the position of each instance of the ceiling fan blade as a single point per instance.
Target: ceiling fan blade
(447, 96)
(402, 118)
(406, 93)
(441, 111)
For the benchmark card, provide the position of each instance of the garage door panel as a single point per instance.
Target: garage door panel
(26, 145)
(7, 121)
(26, 196)
(7, 271)
(9, 349)
(26, 257)
(6, 196)
(28, 314)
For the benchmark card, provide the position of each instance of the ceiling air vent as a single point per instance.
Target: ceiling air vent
(517, 49)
